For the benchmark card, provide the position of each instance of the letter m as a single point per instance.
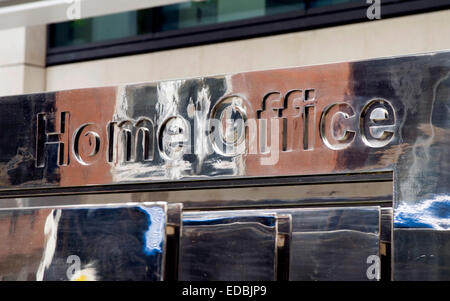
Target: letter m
(131, 142)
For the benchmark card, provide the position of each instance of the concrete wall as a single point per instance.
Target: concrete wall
(22, 60)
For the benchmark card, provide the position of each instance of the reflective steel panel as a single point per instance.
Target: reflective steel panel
(83, 243)
(422, 254)
(274, 192)
(221, 246)
(363, 116)
(334, 244)
(383, 115)
(386, 224)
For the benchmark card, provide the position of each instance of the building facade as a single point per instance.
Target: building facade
(227, 140)
(29, 63)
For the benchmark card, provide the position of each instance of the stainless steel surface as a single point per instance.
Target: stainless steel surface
(238, 197)
(116, 242)
(328, 244)
(180, 130)
(173, 234)
(332, 243)
(221, 246)
(370, 116)
(284, 238)
(386, 224)
(422, 254)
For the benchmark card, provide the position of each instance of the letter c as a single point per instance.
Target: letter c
(337, 126)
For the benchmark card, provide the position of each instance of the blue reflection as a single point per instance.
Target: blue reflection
(154, 236)
(218, 220)
(433, 213)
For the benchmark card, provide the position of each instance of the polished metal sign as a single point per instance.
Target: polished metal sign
(360, 117)
(228, 133)
(297, 121)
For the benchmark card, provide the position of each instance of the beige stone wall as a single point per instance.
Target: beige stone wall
(371, 39)
(21, 70)
(22, 60)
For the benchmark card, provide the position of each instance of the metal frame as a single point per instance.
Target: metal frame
(233, 197)
(203, 184)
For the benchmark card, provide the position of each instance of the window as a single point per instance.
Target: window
(207, 21)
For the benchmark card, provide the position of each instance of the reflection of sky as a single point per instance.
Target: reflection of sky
(154, 236)
(433, 213)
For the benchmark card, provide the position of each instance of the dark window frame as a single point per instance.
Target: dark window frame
(312, 18)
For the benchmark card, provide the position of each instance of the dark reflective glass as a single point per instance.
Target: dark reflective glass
(100, 29)
(172, 17)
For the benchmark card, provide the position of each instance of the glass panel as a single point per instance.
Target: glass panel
(232, 10)
(186, 15)
(114, 26)
(71, 33)
(320, 3)
(100, 29)
(172, 17)
(283, 6)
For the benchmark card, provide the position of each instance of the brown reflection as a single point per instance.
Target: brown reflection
(90, 112)
(22, 243)
(302, 152)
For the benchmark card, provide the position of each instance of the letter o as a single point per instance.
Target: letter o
(86, 144)
(227, 126)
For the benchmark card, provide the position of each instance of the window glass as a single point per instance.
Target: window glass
(172, 17)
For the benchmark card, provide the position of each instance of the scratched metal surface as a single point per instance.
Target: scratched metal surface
(222, 246)
(388, 114)
(117, 242)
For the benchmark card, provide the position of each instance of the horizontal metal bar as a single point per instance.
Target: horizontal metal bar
(203, 184)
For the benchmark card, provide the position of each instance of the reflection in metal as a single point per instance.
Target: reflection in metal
(230, 245)
(433, 213)
(324, 244)
(284, 238)
(116, 242)
(154, 236)
(384, 115)
(332, 244)
(386, 225)
(422, 254)
(173, 234)
(237, 197)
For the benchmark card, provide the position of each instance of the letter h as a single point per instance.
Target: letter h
(52, 130)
